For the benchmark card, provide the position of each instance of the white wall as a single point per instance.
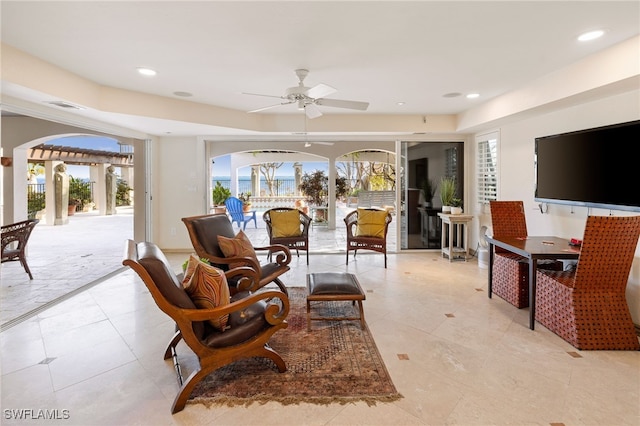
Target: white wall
(179, 188)
(516, 175)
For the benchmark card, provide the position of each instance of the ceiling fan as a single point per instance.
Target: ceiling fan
(308, 98)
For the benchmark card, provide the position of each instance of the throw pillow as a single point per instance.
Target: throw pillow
(238, 246)
(207, 287)
(285, 223)
(371, 223)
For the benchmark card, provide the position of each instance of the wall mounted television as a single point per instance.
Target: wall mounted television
(596, 167)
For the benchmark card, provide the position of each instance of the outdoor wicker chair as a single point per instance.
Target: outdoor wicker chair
(587, 307)
(14, 242)
(375, 238)
(294, 234)
(510, 270)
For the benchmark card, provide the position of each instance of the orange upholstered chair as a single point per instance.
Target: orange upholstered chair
(587, 307)
(510, 270)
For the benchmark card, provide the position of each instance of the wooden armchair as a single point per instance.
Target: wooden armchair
(588, 307)
(294, 235)
(252, 321)
(362, 240)
(14, 242)
(510, 270)
(204, 231)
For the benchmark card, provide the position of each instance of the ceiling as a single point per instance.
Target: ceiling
(417, 53)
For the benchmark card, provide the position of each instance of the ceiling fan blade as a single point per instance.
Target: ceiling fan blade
(320, 91)
(339, 103)
(312, 111)
(259, 94)
(308, 144)
(269, 107)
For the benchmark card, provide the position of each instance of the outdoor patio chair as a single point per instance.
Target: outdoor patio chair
(367, 230)
(587, 307)
(510, 270)
(235, 210)
(289, 227)
(204, 231)
(252, 319)
(14, 242)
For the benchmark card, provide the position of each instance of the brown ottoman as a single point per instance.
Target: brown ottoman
(333, 286)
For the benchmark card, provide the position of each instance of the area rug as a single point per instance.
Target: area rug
(335, 362)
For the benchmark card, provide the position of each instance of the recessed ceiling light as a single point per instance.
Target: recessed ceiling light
(399, 103)
(451, 95)
(146, 71)
(473, 95)
(591, 35)
(183, 94)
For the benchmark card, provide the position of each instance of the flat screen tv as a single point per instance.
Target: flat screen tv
(597, 167)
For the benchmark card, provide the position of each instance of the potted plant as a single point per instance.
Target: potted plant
(73, 205)
(219, 195)
(246, 204)
(429, 191)
(315, 187)
(456, 206)
(447, 192)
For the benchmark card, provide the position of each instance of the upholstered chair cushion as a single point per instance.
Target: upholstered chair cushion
(207, 287)
(371, 223)
(238, 246)
(285, 223)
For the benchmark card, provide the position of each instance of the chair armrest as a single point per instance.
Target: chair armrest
(305, 220)
(248, 261)
(283, 254)
(350, 221)
(249, 278)
(275, 313)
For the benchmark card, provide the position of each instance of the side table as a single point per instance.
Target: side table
(455, 235)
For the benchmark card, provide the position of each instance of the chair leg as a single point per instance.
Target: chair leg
(185, 390)
(26, 267)
(307, 257)
(172, 344)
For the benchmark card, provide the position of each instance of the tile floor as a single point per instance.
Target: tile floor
(96, 358)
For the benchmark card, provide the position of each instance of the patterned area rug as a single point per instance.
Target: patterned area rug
(336, 361)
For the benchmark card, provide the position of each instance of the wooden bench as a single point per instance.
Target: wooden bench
(381, 199)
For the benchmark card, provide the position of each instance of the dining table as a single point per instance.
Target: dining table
(533, 248)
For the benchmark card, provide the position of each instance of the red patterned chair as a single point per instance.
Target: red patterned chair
(510, 270)
(587, 307)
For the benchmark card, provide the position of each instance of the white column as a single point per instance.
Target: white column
(50, 191)
(332, 193)
(98, 174)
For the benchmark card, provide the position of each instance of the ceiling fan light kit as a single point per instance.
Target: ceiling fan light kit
(308, 98)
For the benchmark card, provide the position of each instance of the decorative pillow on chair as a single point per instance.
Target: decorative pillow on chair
(238, 246)
(371, 223)
(207, 287)
(285, 223)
